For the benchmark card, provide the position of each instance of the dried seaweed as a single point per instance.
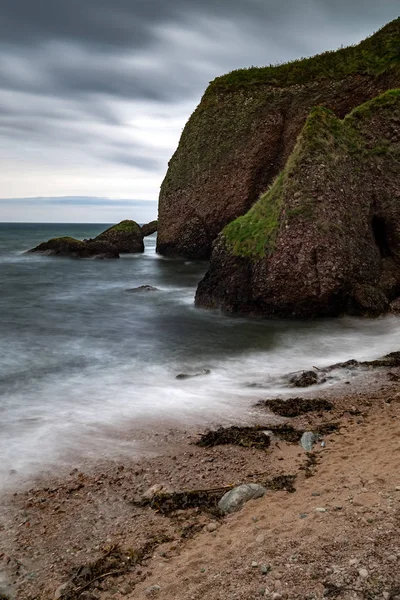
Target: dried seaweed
(207, 499)
(310, 464)
(112, 563)
(292, 407)
(327, 428)
(281, 482)
(164, 503)
(247, 437)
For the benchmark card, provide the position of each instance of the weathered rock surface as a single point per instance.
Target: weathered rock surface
(149, 228)
(126, 236)
(245, 128)
(325, 238)
(233, 500)
(67, 246)
(304, 379)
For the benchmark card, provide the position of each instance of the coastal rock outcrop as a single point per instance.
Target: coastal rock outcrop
(126, 236)
(68, 246)
(325, 238)
(149, 228)
(245, 128)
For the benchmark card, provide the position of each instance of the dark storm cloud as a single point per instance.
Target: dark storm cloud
(69, 68)
(132, 23)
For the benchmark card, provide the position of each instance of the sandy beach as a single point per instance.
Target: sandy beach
(83, 536)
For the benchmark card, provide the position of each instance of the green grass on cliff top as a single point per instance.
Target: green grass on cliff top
(254, 234)
(127, 225)
(373, 56)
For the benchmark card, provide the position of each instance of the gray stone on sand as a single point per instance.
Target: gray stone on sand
(308, 440)
(234, 500)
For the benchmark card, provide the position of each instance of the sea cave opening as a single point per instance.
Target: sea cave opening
(380, 235)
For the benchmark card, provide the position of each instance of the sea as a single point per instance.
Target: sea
(85, 362)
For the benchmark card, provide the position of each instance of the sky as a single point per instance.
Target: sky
(94, 94)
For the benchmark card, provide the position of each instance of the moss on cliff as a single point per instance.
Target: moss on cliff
(323, 141)
(373, 56)
(127, 226)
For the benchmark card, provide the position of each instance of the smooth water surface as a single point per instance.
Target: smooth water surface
(82, 357)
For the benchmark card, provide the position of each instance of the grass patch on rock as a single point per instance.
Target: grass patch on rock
(373, 56)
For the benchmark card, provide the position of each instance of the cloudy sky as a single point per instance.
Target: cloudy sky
(94, 93)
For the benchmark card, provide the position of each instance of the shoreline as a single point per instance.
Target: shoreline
(62, 523)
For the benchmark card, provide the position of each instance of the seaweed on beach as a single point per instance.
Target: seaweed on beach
(287, 433)
(327, 428)
(281, 482)
(164, 503)
(113, 562)
(292, 407)
(310, 464)
(247, 437)
(207, 499)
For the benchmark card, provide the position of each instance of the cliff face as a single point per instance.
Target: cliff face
(245, 128)
(325, 238)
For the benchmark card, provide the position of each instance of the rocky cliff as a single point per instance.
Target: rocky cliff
(245, 128)
(325, 238)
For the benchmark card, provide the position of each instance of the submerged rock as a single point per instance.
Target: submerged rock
(305, 379)
(189, 376)
(126, 236)
(149, 228)
(234, 500)
(143, 288)
(67, 246)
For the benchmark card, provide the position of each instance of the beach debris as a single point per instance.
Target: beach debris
(310, 463)
(156, 489)
(234, 500)
(308, 440)
(327, 428)
(59, 594)
(167, 503)
(208, 499)
(248, 437)
(189, 376)
(305, 379)
(292, 407)
(152, 590)
(114, 562)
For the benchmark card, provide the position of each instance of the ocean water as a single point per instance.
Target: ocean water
(83, 360)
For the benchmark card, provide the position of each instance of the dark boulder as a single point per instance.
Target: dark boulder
(149, 228)
(126, 236)
(67, 246)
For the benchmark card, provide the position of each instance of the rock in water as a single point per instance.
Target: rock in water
(308, 440)
(143, 288)
(67, 246)
(317, 242)
(306, 379)
(127, 237)
(233, 500)
(149, 228)
(245, 128)
(189, 376)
